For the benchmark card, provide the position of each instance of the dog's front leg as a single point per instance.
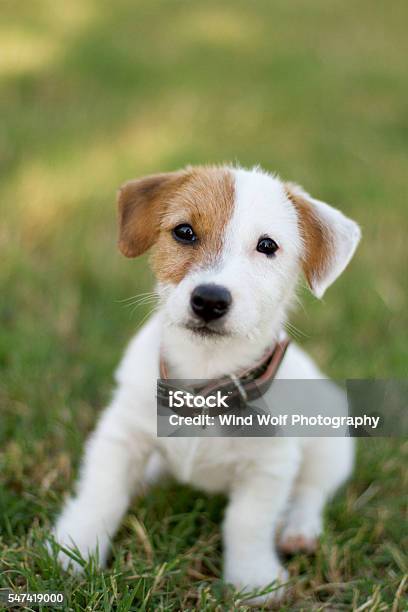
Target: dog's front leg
(113, 465)
(250, 560)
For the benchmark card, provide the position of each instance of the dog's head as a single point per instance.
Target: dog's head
(228, 245)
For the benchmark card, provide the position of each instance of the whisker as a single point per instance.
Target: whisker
(141, 301)
(300, 303)
(137, 296)
(134, 307)
(295, 331)
(147, 315)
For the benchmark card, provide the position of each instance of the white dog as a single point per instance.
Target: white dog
(228, 248)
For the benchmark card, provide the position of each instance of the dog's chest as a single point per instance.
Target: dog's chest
(207, 463)
(214, 464)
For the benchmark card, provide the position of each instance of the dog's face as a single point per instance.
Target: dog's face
(228, 246)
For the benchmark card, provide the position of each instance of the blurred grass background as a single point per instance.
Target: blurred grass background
(94, 93)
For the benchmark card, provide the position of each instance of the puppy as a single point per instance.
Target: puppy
(228, 248)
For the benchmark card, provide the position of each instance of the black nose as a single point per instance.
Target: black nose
(210, 302)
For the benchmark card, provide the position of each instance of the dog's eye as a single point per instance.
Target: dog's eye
(184, 233)
(267, 246)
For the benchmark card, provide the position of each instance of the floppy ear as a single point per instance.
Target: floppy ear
(329, 239)
(141, 203)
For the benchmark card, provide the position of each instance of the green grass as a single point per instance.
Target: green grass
(94, 93)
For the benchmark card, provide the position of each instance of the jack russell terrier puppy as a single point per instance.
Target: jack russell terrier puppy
(228, 247)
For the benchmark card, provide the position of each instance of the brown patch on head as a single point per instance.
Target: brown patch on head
(205, 201)
(150, 208)
(140, 205)
(317, 237)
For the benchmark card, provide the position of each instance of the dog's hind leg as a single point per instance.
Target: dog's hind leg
(327, 462)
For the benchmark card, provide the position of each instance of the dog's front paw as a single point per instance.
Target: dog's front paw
(81, 540)
(258, 576)
(76, 548)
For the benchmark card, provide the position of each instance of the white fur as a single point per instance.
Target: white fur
(263, 477)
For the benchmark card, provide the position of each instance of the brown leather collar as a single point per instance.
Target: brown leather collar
(245, 386)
